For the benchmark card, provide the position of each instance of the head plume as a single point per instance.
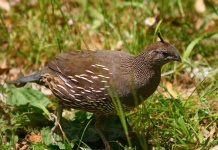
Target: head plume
(160, 37)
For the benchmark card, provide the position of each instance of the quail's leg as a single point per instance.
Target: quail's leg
(98, 129)
(57, 120)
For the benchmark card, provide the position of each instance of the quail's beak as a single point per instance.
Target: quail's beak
(174, 57)
(177, 58)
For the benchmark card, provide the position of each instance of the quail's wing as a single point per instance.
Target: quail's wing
(81, 76)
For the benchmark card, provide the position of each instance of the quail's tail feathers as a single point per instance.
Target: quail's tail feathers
(21, 81)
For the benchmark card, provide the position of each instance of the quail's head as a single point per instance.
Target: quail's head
(161, 53)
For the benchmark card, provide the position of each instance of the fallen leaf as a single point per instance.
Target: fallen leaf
(4, 68)
(170, 89)
(212, 131)
(32, 137)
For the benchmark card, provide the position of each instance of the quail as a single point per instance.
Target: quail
(88, 80)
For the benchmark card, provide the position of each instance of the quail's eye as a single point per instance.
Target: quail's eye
(165, 54)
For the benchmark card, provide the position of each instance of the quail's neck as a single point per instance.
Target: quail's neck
(146, 78)
(144, 68)
(141, 68)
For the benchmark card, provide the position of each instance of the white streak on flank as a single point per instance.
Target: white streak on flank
(62, 78)
(87, 91)
(69, 85)
(93, 65)
(66, 100)
(87, 80)
(83, 75)
(103, 76)
(60, 86)
(91, 88)
(72, 91)
(106, 86)
(94, 77)
(77, 100)
(100, 65)
(78, 87)
(104, 81)
(90, 71)
(102, 89)
(106, 69)
(82, 92)
(58, 91)
(79, 76)
(77, 94)
(89, 97)
(72, 96)
(98, 91)
(72, 79)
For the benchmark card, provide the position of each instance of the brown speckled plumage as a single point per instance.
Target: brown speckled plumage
(81, 79)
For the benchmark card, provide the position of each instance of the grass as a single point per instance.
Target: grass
(182, 114)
